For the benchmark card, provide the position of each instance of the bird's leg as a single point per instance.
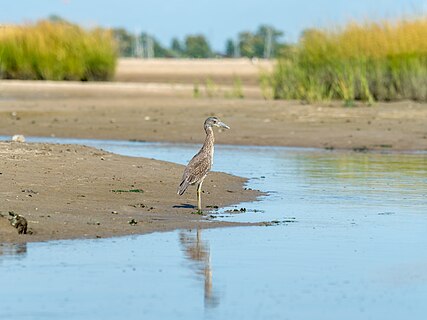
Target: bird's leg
(199, 196)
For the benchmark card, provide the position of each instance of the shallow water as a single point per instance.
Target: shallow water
(349, 243)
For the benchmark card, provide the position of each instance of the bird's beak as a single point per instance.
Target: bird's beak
(223, 125)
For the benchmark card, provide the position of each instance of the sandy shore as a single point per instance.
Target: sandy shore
(161, 112)
(69, 191)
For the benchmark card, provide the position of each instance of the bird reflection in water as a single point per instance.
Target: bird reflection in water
(198, 252)
(13, 249)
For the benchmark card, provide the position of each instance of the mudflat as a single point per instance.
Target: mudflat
(70, 191)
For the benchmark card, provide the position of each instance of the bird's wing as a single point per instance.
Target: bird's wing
(197, 168)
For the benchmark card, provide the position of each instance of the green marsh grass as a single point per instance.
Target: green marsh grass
(211, 89)
(56, 51)
(383, 61)
(237, 91)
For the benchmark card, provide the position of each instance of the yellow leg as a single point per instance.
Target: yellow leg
(199, 196)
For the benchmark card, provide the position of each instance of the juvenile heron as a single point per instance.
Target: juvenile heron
(198, 167)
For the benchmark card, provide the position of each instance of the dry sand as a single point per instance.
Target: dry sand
(192, 71)
(65, 191)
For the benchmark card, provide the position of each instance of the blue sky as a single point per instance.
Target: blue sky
(217, 19)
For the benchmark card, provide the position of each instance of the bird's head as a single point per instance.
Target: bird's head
(214, 121)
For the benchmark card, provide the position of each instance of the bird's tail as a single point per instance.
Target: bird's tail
(182, 187)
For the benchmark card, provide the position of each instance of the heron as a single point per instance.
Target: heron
(200, 165)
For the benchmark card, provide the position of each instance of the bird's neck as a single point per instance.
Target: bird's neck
(209, 140)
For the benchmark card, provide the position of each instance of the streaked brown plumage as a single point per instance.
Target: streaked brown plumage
(201, 164)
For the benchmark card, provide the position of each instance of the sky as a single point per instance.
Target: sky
(218, 20)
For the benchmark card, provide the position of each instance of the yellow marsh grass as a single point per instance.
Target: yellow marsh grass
(375, 40)
(56, 51)
(371, 61)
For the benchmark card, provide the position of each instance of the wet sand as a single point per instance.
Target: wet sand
(70, 191)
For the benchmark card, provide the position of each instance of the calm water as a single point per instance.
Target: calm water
(350, 244)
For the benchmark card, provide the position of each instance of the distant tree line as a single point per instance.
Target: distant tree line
(264, 43)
